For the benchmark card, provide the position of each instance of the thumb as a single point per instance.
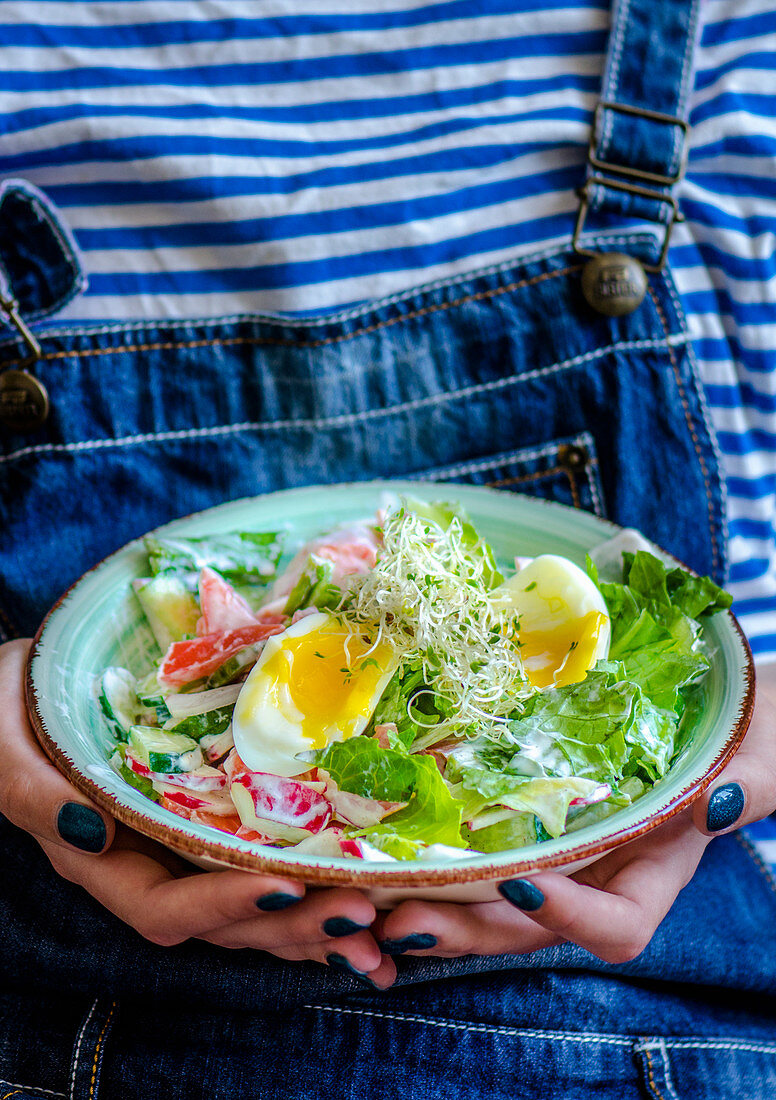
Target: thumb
(33, 794)
(746, 789)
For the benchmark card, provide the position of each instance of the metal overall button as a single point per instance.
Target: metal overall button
(614, 284)
(24, 403)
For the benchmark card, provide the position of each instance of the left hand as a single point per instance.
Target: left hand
(613, 907)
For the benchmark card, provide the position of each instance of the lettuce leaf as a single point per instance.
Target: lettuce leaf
(656, 635)
(361, 766)
(547, 799)
(239, 556)
(413, 714)
(516, 831)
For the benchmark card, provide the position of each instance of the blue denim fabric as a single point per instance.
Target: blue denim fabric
(506, 378)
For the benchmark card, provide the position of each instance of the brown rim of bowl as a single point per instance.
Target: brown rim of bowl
(186, 844)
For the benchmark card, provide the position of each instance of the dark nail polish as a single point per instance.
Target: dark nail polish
(342, 926)
(82, 827)
(725, 807)
(270, 903)
(339, 962)
(522, 894)
(416, 941)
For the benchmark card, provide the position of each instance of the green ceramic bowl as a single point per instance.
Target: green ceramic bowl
(98, 623)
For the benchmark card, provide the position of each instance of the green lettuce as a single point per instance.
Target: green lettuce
(241, 557)
(409, 705)
(656, 635)
(361, 766)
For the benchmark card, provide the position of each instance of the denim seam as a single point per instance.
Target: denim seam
(77, 1054)
(592, 483)
(720, 1044)
(715, 557)
(505, 457)
(327, 341)
(701, 394)
(30, 1088)
(99, 1050)
(757, 859)
(349, 313)
(514, 1032)
(692, 32)
(620, 16)
(646, 1048)
(345, 419)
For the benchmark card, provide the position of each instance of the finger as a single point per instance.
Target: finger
(305, 924)
(165, 909)
(380, 978)
(746, 789)
(33, 794)
(450, 930)
(615, 923)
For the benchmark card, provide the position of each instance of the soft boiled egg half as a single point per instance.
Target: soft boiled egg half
(316, 683)
(564, 625)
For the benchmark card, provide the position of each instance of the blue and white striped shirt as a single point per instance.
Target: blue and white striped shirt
(212, 160)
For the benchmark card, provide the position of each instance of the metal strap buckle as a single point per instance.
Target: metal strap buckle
(631, 189)
(10, 307)
(637, 173)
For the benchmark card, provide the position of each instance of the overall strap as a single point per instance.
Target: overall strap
(40, 269)
(638, 144)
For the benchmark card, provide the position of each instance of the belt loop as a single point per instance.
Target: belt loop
(638, 143)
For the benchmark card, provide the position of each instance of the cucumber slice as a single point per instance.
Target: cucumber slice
(165, 752)
(314, 587)
(142, 784)
(202, 725)
(232, 668)
(152, 696)
(119, 700)
(171, 609)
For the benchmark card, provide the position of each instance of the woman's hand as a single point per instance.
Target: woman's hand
(613, 907)
(147, 886)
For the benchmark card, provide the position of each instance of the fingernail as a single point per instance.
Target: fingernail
(522, 894)
(725, 807)
(339, 962)
(342, 926)
(416, 941)
(270, 903)
(82, 827)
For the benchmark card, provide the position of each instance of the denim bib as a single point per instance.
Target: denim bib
(505, 377)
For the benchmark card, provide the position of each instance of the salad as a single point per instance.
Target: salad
(391, 694)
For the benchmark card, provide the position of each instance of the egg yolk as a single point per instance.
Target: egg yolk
(331, 678)
(562, 654)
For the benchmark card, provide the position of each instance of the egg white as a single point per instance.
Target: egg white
(564, 624)
(307, 690)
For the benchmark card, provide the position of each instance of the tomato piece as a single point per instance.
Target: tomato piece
(194, 658)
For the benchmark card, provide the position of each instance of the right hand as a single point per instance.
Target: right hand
(144, 884)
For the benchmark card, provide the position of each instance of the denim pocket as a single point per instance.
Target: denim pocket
(564, 470)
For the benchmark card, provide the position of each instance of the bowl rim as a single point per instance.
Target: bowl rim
(388, 875)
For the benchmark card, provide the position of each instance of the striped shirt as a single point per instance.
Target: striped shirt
(223, 157)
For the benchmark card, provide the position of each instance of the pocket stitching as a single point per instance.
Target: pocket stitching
(28, 1088)
(346, 419)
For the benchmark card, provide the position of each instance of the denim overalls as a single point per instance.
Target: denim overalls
(506, 377)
